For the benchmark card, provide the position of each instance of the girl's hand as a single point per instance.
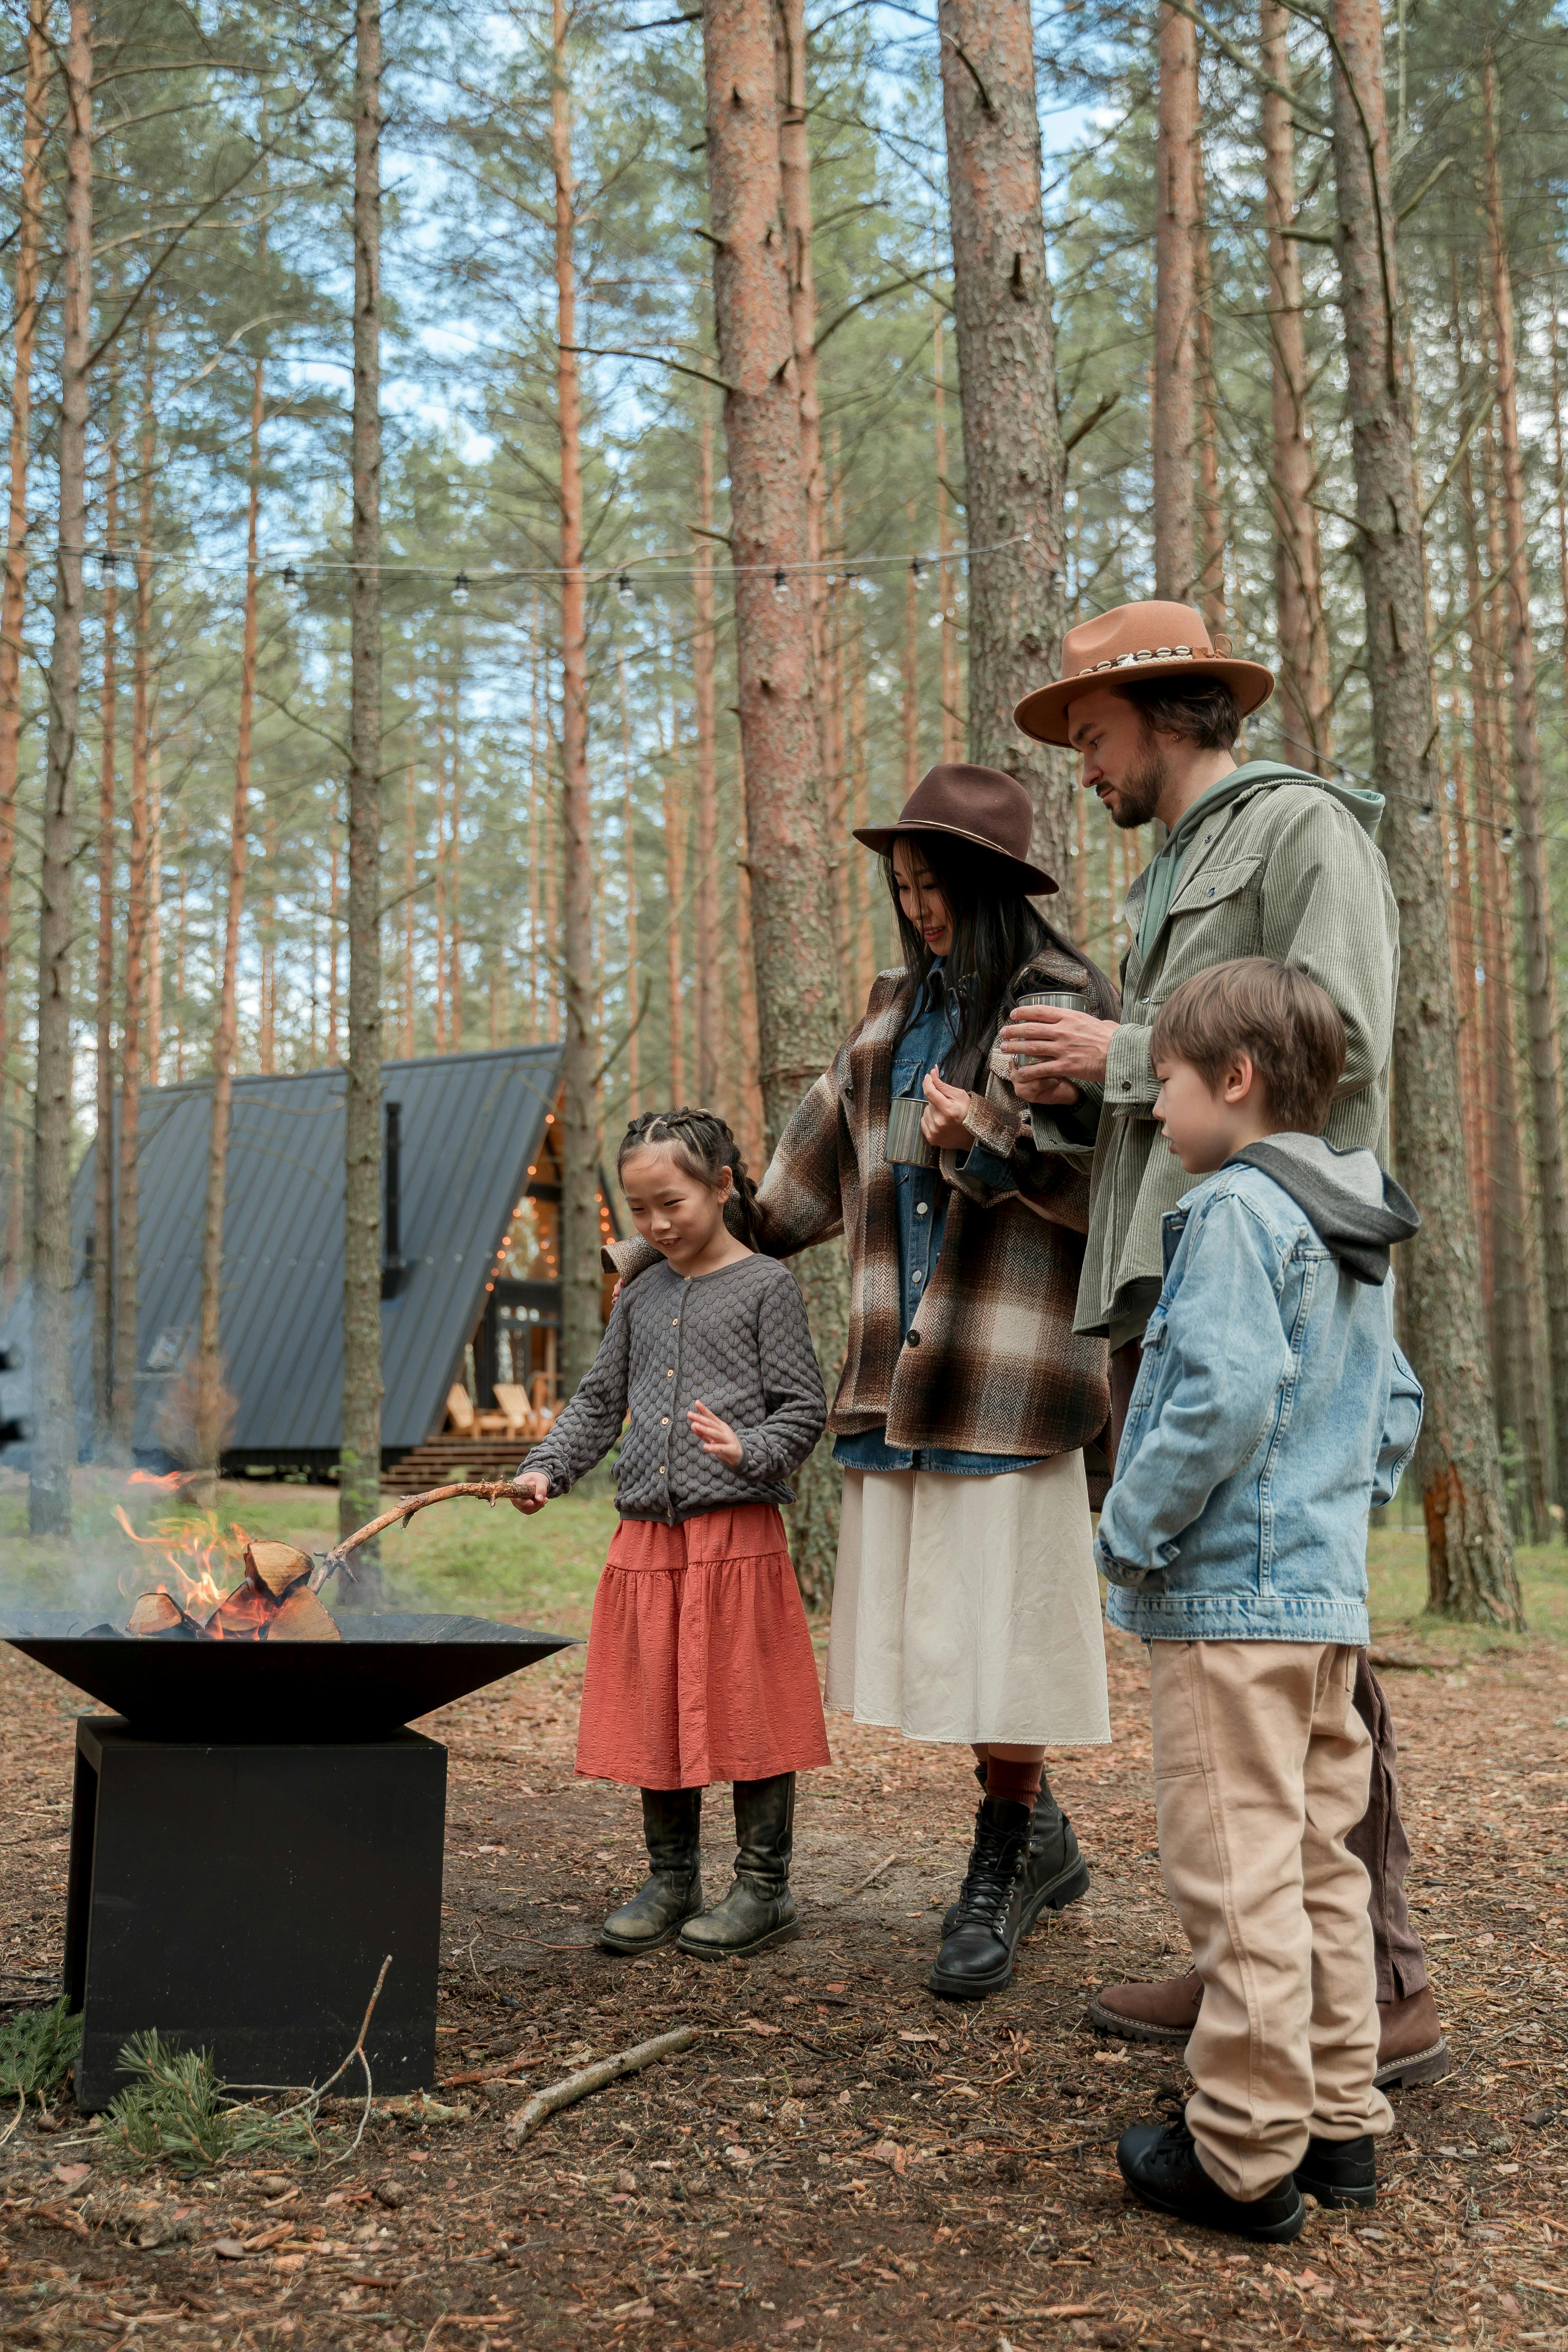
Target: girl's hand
(942, 1123)
(529, 1492)
(714, 1436)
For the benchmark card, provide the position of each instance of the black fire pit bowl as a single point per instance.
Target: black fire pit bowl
(386, 1672)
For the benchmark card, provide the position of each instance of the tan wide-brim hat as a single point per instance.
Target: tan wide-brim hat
(977, 804)
(1152, 640)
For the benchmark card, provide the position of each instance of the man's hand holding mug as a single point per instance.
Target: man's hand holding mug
(1058, 1051)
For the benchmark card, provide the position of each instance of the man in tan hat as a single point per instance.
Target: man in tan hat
(1260, 859)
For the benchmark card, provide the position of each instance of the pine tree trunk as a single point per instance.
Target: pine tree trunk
(1304, 711)
(634, 959)
(674, 907)
(795, 179)
(580, 1325)
(910, 729)
(53, 1449)
(410, 880)
(359, 1460)
(1470, 1566)
(103, 1147)
(1175, 304)
(792, 911)
(455, 901)
(952, 703)
(133, 1016)
(750, 1132)
(154, 1055)
(1211, 495)
(14, 576)
(210, 1401)
(1540, 970)
(706, 893)
(1014, 472)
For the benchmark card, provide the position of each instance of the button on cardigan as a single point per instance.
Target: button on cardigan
(737, 1339)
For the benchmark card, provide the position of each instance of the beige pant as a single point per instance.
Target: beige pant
(1261, 1765)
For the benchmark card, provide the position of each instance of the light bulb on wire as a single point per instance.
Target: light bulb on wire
(460, 589)
(624, 587)
(781, 588)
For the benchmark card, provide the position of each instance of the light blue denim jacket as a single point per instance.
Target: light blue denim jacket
(1272, 1409)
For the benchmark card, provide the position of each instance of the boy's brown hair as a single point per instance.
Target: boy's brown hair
(1290, 1027)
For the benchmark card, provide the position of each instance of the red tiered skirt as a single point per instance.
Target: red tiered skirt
(700, 1660)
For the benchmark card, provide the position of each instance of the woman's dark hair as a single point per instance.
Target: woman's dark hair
(704, 1147)
(997, 934)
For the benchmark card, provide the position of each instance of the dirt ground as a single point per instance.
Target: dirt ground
(839, 2158)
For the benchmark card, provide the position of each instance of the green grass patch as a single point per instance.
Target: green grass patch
(1396, 1573)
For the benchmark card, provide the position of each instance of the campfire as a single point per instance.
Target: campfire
(276, 1597)
(273, 1600)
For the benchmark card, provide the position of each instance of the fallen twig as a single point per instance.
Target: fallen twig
(872, 1876)
(604, 2070)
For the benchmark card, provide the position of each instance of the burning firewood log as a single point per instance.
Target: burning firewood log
(301, 1617)
(159, 1613)
(274, 1567)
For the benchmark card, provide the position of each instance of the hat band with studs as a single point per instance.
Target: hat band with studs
(1143, 653)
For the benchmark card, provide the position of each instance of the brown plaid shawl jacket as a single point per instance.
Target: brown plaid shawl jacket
(992, 1364)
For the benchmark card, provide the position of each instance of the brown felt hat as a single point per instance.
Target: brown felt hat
(1151, 640)
(977, 804)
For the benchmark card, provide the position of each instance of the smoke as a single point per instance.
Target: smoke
(99, 1571)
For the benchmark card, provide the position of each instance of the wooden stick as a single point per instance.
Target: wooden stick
(483, 1490)
(566, 2093)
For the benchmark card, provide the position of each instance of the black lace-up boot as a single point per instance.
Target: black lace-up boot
(672, 1826)
(1054, 1873)
(759, 1909)
(977, 1957)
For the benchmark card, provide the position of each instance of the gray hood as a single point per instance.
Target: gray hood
(1356, 1210)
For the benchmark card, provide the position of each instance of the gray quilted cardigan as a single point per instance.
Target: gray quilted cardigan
(738, 1340)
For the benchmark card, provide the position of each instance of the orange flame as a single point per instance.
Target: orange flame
(199, 1558)
(150, 1478)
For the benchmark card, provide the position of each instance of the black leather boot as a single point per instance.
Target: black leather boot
(672, 1825)
(1339, 2171)
(759, 1909)
(1159, 2165)
(1054, 1873)
(977, 1957)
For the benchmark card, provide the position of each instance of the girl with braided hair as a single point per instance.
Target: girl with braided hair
(699, 1659)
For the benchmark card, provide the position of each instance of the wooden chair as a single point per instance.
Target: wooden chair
(467, 1421)
(512, 1398)
(545, 1411)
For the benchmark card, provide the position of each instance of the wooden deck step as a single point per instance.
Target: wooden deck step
(441, 1461)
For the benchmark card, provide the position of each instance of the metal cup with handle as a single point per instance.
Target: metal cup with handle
(906, 1146)
(1060, 1000)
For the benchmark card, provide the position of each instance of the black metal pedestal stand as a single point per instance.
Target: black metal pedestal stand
(242, 1897)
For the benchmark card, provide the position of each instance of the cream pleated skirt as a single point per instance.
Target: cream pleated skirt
(968, 1608)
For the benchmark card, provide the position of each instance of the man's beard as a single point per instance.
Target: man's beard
(1140, 792)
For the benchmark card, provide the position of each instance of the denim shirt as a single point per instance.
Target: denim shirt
(922, 1214)
(1271, 1410)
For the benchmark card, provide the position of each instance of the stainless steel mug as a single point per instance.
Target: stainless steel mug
(1061, 1000)
(906, 1145)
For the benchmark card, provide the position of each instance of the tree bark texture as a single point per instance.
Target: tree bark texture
(14, 577)
(795, 177)
(359, 1462)
(134, 1014)
(210, 1400)
(1174, 430)
(706, 893)
(1304, 709)
(1539, 969)
(950, 692)
(798, 1007)
(1211, 496)
(633, 958)
(53, 1431)
(1470, 1566)
(103, 1149)
(674, 909)
(1014, 472)
(580, 1324)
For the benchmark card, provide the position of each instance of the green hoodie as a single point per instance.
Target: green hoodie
(1166, 872)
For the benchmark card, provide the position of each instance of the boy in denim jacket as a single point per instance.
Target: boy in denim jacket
(1272, 1408)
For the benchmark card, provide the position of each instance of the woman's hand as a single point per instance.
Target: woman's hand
(713, 1435)
(941, 1121)
(1063, 1048)
(529, 1492)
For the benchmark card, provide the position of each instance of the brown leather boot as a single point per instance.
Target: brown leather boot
(1166, 2010)
(1411, 2047)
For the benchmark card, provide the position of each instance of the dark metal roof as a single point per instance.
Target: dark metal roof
(472, 1123)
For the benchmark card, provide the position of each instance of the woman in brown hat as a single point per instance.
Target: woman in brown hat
(966, 1608)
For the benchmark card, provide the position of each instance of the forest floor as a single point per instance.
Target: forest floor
(839, 2158)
